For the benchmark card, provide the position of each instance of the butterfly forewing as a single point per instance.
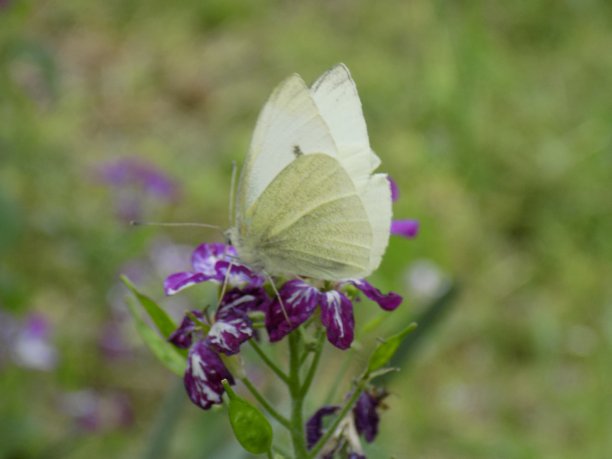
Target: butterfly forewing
(289, 124)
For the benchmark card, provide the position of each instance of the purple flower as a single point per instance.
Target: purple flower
(394, 189)
(135, 172)
(32, 346)
(204, 375)
(405, 228)
(210, 262)
(182, 337)
(388, 302)
(92, 411)
(299, 301)
(337, 318)
(314, 425)
(231, 327)
(295, 303)
(132, 179)
(366, 415)
(362, 421)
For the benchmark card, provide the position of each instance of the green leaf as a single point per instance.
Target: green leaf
(252, 429)
(385, 350)
(160, 318)
(164, 351)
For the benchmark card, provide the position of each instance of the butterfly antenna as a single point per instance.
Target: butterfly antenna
(186, 224)
(280, 300)
(232, 196)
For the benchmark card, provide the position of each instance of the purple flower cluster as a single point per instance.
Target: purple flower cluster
(362, 421)
(133, 180)
(296, 301)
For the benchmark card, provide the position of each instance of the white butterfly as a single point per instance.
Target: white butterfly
(308, 202)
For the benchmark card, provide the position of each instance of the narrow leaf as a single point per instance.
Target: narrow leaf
(160, 318)
(164, 351)
(252, 429)
(385, 350)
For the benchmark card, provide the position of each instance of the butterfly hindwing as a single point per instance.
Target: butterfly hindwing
(310, 221)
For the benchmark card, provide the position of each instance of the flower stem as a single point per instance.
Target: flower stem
(271, 411)
(297, 398)
(314, 364)
(280, 373)
(360, 385)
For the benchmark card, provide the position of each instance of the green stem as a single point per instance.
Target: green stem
(315, 363)
(280, 373)
(297, 398)
(271, 411)
(359, 387)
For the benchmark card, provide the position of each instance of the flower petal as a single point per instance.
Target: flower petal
(337, 318)
(205, 257)
(183, 336)
(176, 282)
(365, 415)
(394, 189)
(299, 300)
(314, 425)
(203, 376)
(240, 275)
(388, 301)
(406, 228)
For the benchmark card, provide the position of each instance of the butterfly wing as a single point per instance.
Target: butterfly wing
(309, 221)
(338, 102)
(289, 124)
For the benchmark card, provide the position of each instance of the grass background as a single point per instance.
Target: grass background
(494, 118)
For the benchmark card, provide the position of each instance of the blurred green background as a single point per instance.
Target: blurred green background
(493, 117)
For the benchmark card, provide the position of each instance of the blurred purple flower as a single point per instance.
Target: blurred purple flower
(405, 228)
(135, 182)
(112, 340)
(95, 412)
(362, 421)
(30, 343)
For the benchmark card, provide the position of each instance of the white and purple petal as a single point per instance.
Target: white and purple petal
(337, 318)
(176, 282)
(299, 300)
(405, 228)
(314, 425)
(243, 300)
(388, 301)
(205, 371)
(239, 276)
(182, 337)
(228, 334)
(205, 257)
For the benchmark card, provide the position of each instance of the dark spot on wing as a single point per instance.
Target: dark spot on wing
(297, 151)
